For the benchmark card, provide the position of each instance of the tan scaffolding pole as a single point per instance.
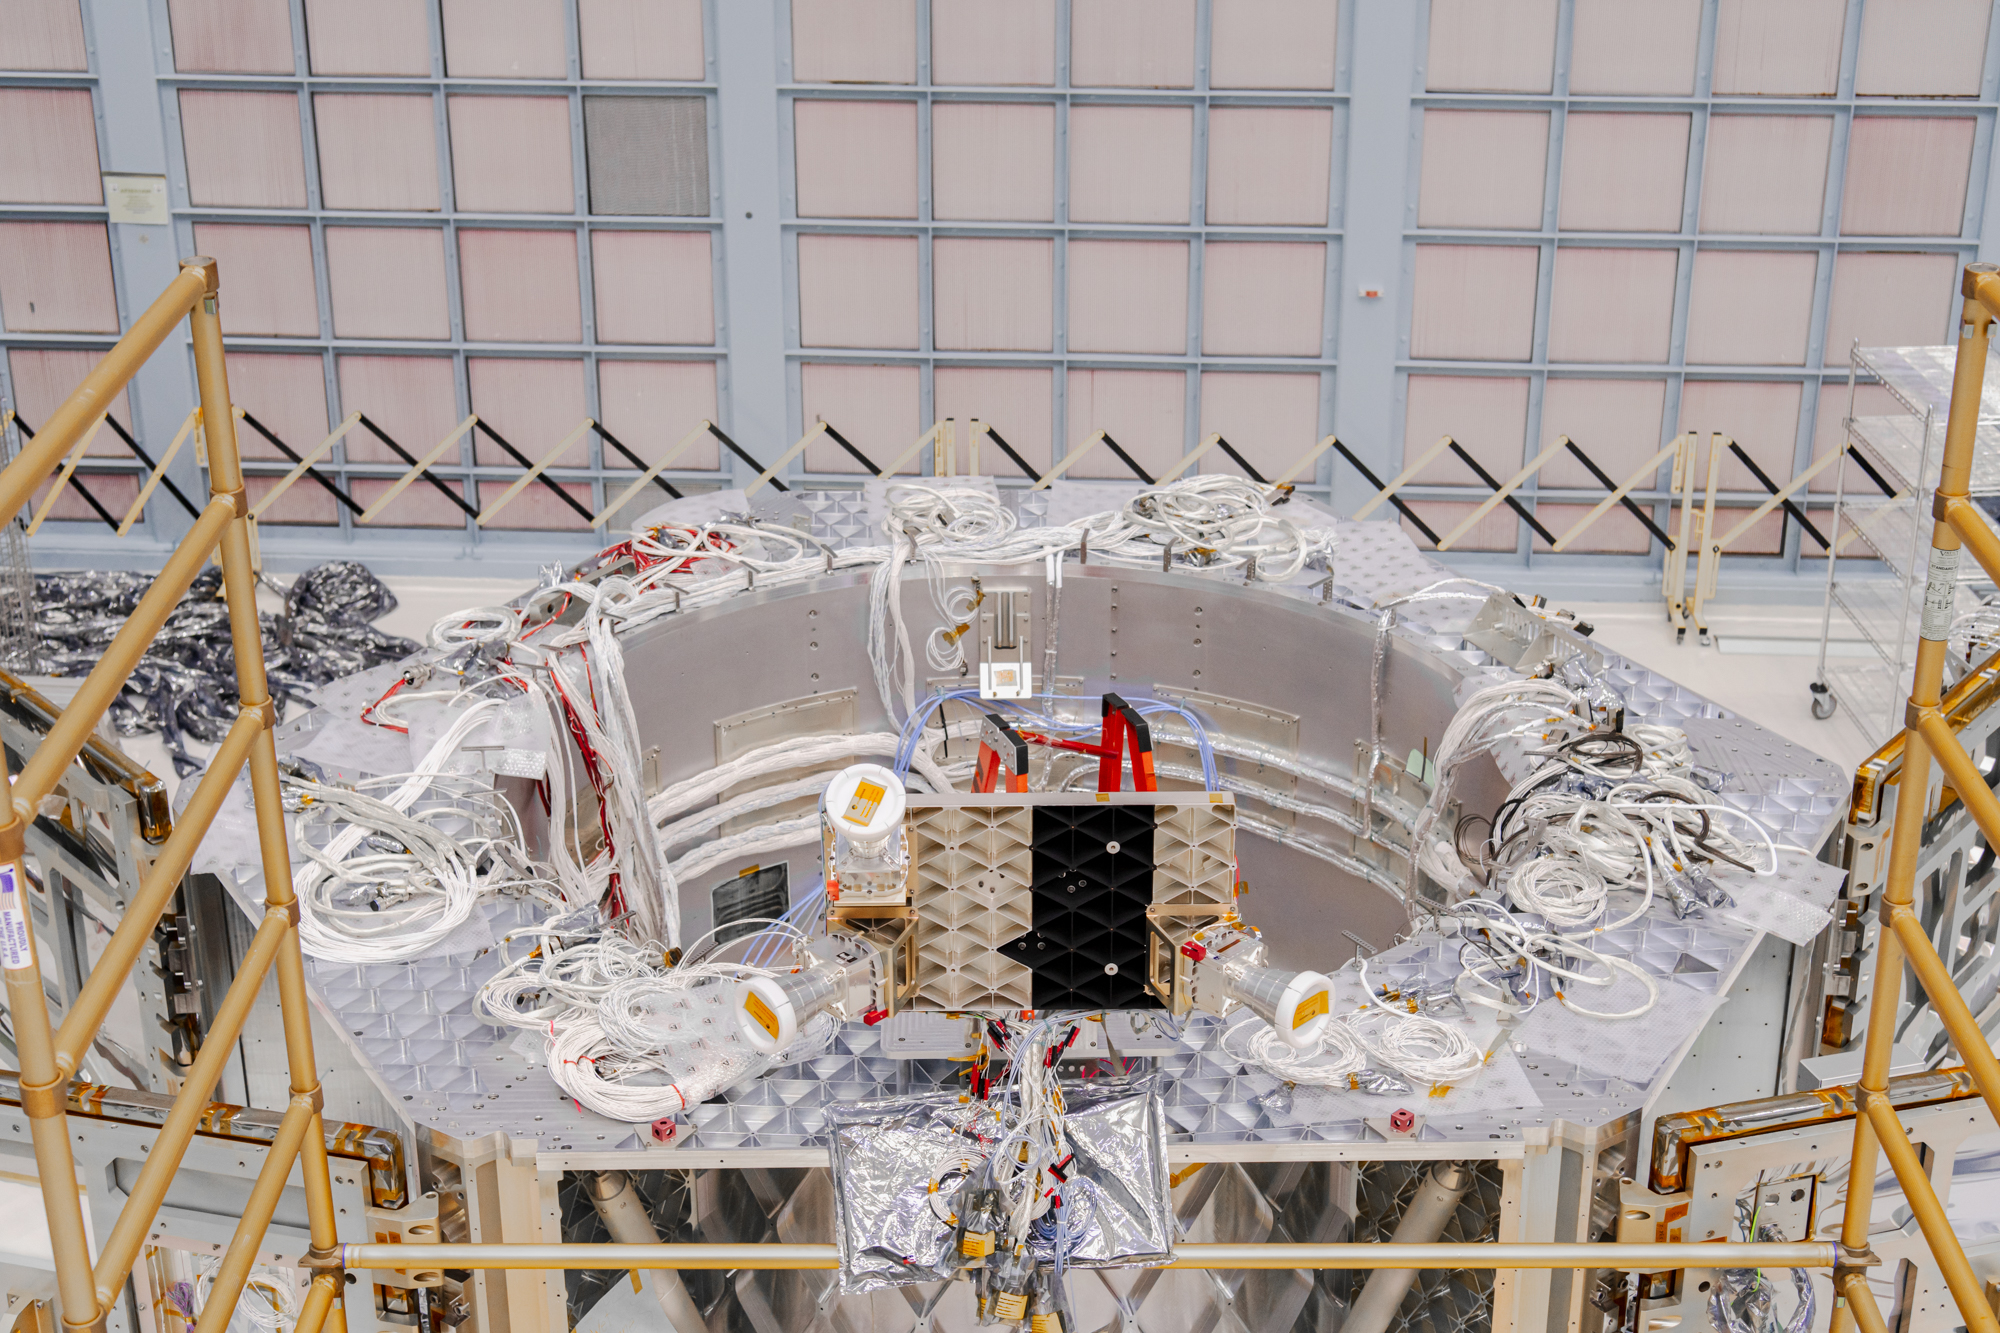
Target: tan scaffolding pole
(59, 748)
(1674, 575)
(159, 471)
(43, 1085)
(1418, 464)
(1355, 1256)
(1704, 568)
(944, 451)
(542, 465)
(666, 461)
(319, 451)
(47, 1058)
(94, 396)
(220, 1305)
(1926, 733)
(421, 466)
(156, 889)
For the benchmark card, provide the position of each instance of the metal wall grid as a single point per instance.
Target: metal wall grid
(1687, 241)
(164, 522)
(758, 313)
(1196, 232)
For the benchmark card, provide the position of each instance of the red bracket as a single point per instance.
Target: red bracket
(1001, 748)
(1124, 727)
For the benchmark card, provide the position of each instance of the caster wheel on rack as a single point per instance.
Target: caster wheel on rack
(1824, 702)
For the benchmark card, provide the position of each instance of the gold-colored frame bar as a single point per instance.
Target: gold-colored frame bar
(1357, 1257)
(1929, 734)
(48, 1057)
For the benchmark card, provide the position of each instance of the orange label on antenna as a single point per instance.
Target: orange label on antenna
(761, 1012)
(1309, 1008)
(867, 796)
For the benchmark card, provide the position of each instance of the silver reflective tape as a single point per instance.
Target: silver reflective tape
(1940, 594)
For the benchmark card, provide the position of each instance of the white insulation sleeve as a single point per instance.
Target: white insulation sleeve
(778, 757)
(1940, 593)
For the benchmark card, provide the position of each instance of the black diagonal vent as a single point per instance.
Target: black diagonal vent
(1093, 880)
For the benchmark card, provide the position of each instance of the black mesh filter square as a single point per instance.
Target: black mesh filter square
(1092, 882)
(648, 156)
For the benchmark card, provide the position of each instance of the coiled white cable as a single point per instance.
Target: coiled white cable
(1335, 1057)
(1563, 891)
(1421, 1047)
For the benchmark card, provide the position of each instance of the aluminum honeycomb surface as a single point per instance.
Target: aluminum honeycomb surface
(973, 898)
(417, 1027)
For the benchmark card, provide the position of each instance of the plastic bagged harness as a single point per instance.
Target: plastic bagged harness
(185, 685)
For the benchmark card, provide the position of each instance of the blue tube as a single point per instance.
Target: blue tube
(764, 945)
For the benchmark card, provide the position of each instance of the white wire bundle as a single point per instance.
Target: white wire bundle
(1030, 1137)
(1229, 519)
(1546, 952)
(935, 524)
(566, 975)
(798, 831)
(601, 1077)
(406, 859)
(651, 890)
(710, 818)
(1563, 891)
(1421, 1047)
(1335, 1056)
(1511, 708)
(268, 1303)
(623, 1033)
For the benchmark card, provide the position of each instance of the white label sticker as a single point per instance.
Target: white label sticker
(17, 949)
(1940, 594)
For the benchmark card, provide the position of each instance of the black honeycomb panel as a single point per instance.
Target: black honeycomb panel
(1090, 907)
